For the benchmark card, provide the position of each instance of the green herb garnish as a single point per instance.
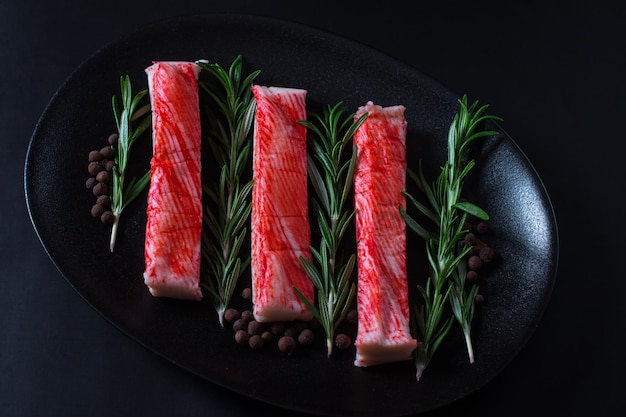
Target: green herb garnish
(331, 174)
(229, 140)
(443, 247)
(122, 193)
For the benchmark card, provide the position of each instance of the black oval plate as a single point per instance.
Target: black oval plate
(79, 118)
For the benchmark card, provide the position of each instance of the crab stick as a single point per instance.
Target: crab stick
(383, 331)
(280, 232)
(174, 224)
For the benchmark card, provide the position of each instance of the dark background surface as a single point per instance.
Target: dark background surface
(554, 73)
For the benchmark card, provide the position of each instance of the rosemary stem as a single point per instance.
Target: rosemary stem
(117, 211)
(229, 216)
(220, 314)
(331, 312)
(421, 362)
(114, 231)
(468, 343)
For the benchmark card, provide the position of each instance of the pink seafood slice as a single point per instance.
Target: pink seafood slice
(174, 225)
(383, 330)
(280, 230)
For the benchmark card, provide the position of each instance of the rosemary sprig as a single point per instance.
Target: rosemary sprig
(229, 140)
(444, 251)
(331, 174)
(126, 112)
(464, 131)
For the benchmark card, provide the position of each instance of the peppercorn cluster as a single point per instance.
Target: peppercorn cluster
(100, 168)
(480, 254)
(288, 337)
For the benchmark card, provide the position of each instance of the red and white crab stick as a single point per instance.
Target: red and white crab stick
(280, 230)
(383, 331)
(174, 225)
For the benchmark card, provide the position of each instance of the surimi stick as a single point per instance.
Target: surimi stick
(383, 331)
(174, 225)
(280, 230)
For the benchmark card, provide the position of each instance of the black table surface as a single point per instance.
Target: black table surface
(554, 73)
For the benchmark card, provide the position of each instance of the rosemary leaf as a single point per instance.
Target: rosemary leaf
(472, 209)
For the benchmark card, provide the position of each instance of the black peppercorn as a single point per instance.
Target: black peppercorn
(94, 167)
(97, 210)
(94, 156)
(104, 201)
(240, 324)
(343, 341)
(486, 254)
(470, 238)
(277, 328)
(256, 342)
(100, 189)
(351, 316)
(246, 293)
(482, 228)
(306, 337)
(291, 331)
(287, 344)
(107, 217)
(91, 181)
(106, 152)
(241, 337)
(103, 176)
(231, 314)
(472, 276)
(255, 328)
(474, 263)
